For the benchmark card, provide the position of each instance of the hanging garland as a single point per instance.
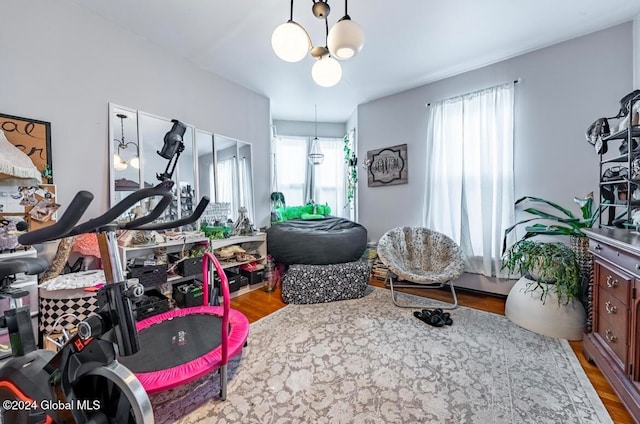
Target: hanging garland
(352, 172)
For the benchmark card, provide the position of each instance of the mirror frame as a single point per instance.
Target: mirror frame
(236, 194)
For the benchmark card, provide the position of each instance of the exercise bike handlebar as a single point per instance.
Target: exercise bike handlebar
(64, 225)
(150, 217)
(197, 213)
(163, 189)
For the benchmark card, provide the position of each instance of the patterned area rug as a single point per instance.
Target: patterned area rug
(367, 361)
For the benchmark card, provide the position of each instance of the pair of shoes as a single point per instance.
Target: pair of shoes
(435, 318)
(428, 317)
(446, 316)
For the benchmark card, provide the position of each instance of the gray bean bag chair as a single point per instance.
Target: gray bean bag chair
(316, 242)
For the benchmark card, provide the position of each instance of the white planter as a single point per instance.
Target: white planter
(525, 308)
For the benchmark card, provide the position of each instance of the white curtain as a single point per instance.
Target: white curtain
(291, 168)
(330, 177)
(225, 183)
(469, 191)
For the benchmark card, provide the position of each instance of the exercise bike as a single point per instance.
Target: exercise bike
(83, 382)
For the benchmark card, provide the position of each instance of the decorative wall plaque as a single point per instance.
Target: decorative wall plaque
(32, 137)
(387, 166)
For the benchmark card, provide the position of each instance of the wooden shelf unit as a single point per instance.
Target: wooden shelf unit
(257, 241)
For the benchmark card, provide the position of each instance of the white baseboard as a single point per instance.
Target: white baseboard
(485, 284)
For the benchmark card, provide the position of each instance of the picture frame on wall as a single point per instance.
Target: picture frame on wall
(33, 138)
(388, 166)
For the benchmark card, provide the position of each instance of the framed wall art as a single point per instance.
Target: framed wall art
(32, 137)
(387, 166)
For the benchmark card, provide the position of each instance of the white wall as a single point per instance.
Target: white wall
(564, 88)
(61, 63)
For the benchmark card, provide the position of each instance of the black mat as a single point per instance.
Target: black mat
(174, 342)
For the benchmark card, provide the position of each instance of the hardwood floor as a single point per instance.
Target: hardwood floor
(258, 304)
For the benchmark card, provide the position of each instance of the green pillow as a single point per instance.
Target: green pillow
(309, 216)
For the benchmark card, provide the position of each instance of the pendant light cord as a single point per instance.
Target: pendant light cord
(326, 32)
(291, 11)
(121, 143)
(316, 115)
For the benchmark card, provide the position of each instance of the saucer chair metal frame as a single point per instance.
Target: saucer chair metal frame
(400, 248)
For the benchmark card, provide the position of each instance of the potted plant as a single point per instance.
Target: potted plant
(546, 266)
(564, 223)
(546, 299)
(555, 220)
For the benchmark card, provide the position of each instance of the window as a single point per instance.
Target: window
(301, 182)
(291, 168)
(469, 192)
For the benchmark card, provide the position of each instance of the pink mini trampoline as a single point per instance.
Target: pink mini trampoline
(181, 345)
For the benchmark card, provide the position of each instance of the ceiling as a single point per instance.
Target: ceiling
(408, 43)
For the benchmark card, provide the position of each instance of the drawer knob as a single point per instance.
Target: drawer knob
(610, 308)
(611, 282)
(609, 336)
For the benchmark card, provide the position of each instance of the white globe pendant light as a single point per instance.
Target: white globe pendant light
(118, 163)
(135, 162)
(326, 72)
(345, 39)
(290, 42)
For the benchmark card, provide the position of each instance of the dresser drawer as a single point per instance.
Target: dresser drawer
(614, 281)
(623, 259)
(614, 335)
(615, 312)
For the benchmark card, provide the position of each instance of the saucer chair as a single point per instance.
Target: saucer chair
(425, 258)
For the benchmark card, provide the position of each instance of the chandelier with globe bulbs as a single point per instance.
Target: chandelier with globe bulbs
(291, 43)
(119, 163)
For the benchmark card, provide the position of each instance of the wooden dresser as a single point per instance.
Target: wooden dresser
(614, 343)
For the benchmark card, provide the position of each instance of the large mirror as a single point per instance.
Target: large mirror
(211, 165)
(234, 175)
(136, 136)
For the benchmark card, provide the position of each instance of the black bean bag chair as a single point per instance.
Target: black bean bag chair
(316, 242)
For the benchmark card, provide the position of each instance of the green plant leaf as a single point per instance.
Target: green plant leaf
(585, 206)
(565, 211)
(546, 215)
(549, 262)
(564, 224)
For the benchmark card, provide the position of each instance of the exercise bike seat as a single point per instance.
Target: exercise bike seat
(22, 265)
